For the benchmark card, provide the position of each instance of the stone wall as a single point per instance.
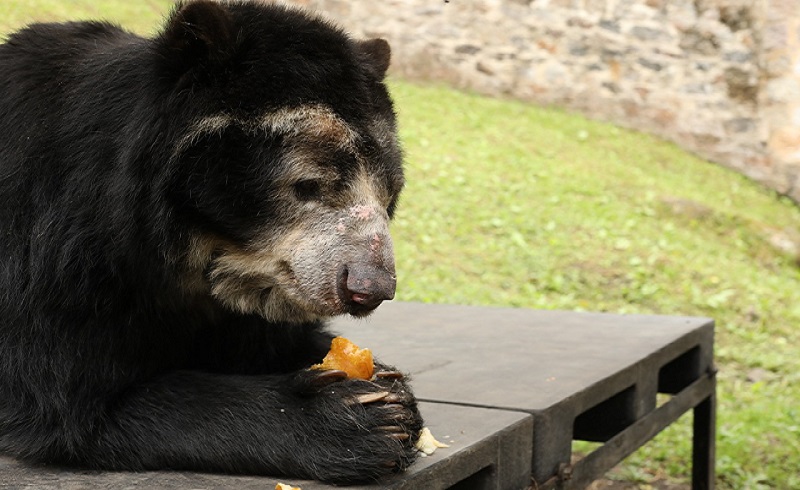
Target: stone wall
(719, 77)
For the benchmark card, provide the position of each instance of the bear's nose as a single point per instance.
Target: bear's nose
(366, 285)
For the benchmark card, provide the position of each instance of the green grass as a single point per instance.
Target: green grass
(142, 16)
(509, 204)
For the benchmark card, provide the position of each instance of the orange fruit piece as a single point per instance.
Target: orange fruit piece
(348, 357)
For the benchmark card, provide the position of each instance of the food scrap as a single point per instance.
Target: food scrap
(348, 357)
(283, 486)
(427, 444)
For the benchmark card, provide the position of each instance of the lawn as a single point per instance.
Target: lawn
(143, 16)
(509, 204)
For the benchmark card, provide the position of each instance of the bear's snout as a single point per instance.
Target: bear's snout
(364, 286)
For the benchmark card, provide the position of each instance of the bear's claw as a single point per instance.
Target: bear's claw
(389, 375)
(371, 397)
(326, 377)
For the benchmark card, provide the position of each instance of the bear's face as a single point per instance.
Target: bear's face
(290, 191)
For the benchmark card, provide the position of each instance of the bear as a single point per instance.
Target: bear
(180, 216)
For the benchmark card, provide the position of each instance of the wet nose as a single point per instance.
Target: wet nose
(367, 285)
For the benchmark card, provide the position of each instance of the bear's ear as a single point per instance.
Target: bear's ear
(199, 33)
(377, 54)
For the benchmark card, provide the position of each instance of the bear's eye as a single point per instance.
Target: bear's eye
(307, 190)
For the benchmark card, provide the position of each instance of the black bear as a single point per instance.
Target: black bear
(179, 215)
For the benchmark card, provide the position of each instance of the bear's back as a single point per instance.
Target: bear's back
(42, 69)
(61, 41)
(41, 60)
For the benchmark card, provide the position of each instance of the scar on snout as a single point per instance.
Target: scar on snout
(375, 243)
(362, 211)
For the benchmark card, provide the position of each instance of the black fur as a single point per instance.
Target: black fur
(105, 360)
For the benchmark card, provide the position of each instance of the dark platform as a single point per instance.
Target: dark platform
(510, 389)
(583, 376)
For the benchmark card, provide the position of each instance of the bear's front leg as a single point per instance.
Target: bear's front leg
(308, 424)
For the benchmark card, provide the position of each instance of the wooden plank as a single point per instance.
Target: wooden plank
(519, 359)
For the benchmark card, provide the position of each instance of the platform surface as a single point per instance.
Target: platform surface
(491, 446)
(513, 358)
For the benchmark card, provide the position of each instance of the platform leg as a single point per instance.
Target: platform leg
(704, 443)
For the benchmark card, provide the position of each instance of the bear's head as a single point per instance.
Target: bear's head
(285, 163)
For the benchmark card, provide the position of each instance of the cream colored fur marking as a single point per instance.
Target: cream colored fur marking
(364, 192)
(302, 163)
(312, 120)
(382, 131)
(207, 125)
(316, 122)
